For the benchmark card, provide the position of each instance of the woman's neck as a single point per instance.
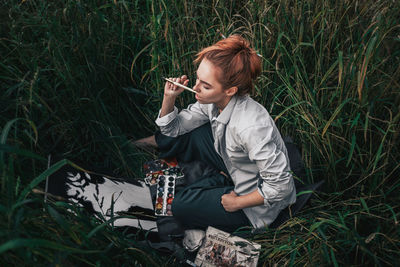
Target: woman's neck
(221, 105)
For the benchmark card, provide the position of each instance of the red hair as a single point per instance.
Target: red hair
(239, 63)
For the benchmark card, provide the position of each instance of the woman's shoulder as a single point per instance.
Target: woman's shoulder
(249, 115)
(250, 110)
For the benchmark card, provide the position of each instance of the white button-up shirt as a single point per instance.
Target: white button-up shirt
(249, 143)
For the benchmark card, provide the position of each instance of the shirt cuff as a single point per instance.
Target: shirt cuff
(165, 120)
(266, 201)
(273, 192)
(261, 192)
(267, 192)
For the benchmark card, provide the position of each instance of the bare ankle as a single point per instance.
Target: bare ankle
(147, 141)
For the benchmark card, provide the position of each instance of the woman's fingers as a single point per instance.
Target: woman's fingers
(174, 89)
(177, 80)
(172, 86)
(186, 80)
(183, 80)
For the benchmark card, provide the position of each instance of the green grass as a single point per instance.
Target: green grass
(79, 79)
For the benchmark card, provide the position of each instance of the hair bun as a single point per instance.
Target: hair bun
(240, 44)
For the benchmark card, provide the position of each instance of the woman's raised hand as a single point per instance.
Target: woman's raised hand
(173, 90)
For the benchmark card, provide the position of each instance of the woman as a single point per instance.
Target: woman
(227, 129)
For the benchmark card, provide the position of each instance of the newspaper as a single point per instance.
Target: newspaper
(223, 249)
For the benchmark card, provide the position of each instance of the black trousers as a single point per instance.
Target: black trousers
(198, 205)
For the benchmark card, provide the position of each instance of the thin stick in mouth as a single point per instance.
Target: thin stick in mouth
(180, 85)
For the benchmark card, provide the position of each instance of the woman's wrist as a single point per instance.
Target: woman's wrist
(169, 98)
(250, 200)
(167, 105)
(239, 203)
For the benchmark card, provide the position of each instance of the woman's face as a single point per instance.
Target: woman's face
(209, 89)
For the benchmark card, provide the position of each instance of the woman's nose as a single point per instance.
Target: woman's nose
(197, 87)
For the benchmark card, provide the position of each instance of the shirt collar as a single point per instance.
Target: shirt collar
(226, 113)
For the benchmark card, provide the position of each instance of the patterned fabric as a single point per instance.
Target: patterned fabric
(106, 197)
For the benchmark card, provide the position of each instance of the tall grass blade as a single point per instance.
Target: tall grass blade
(37, 180)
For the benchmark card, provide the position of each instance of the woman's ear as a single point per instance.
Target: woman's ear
(231, 91)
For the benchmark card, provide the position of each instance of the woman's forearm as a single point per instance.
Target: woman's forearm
(233, 202)
(250, 200)
(167, 105)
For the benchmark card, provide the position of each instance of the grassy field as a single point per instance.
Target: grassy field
(79, 79)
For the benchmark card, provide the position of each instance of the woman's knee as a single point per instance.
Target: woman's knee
(176, 205)
(180, 206)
